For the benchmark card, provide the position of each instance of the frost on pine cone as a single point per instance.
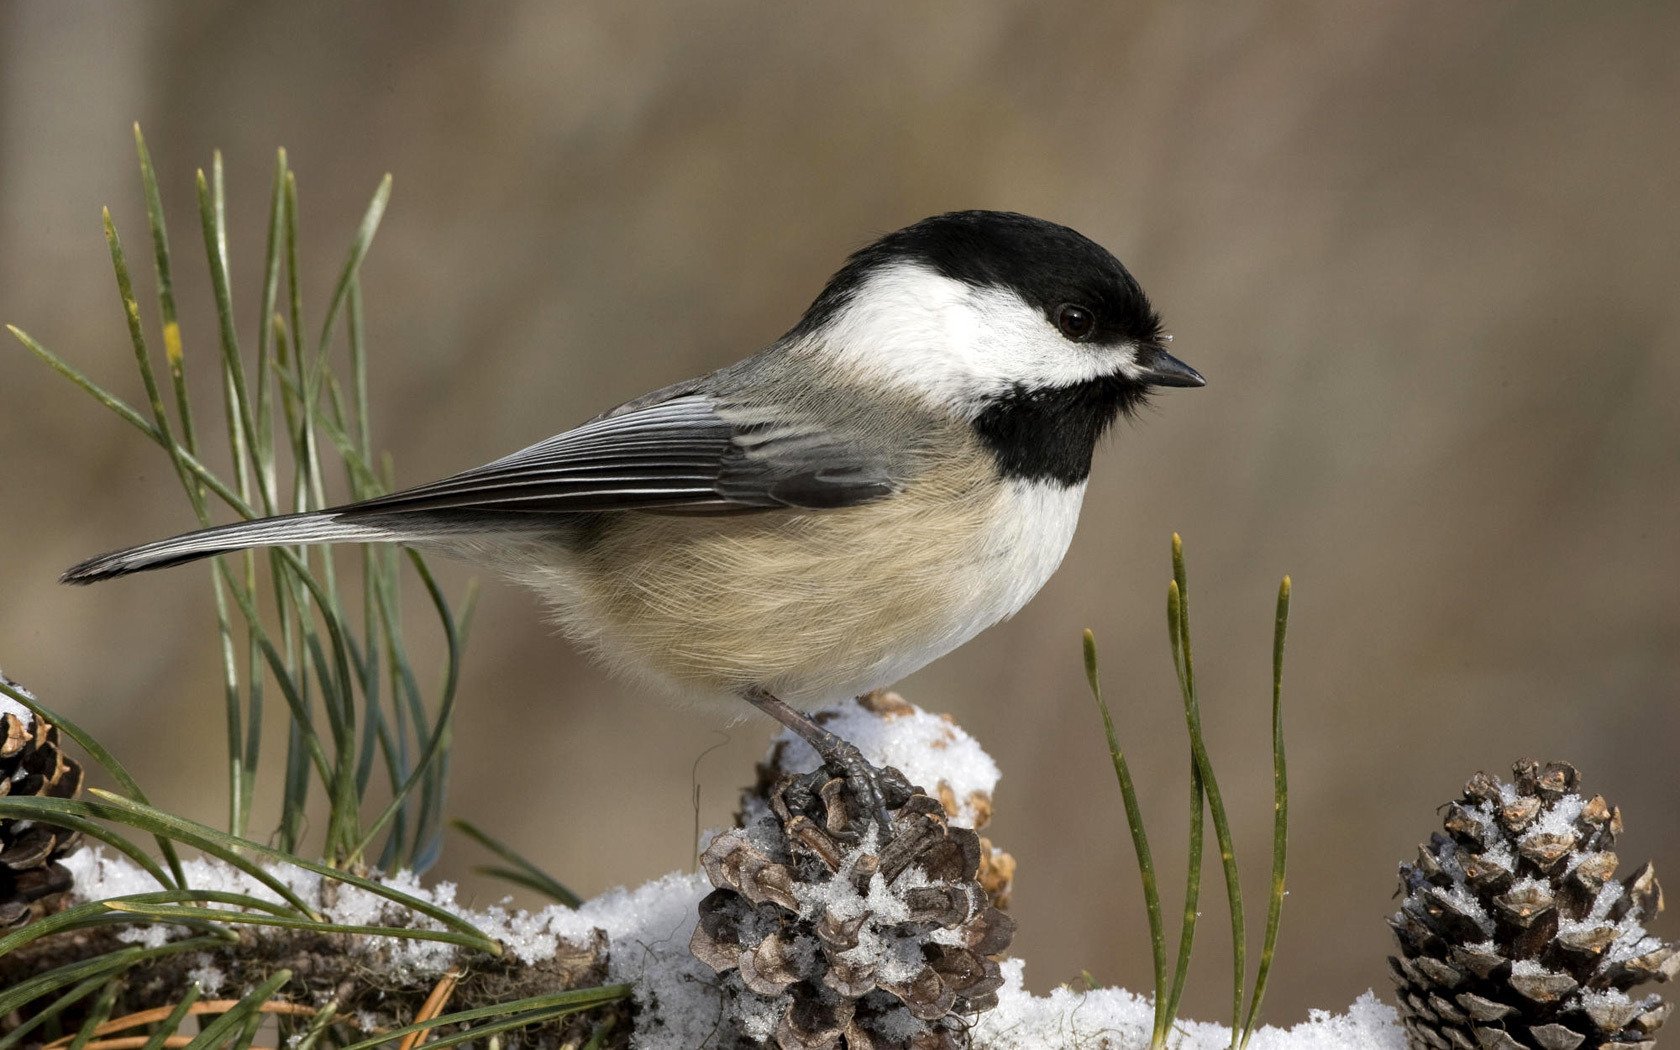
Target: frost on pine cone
(894, 732)
(32, 881)
(1514, 932)
(831, 939)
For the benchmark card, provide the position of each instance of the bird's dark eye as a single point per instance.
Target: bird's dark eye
(1075, 322)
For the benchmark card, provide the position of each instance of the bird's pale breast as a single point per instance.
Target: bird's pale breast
(813, 606)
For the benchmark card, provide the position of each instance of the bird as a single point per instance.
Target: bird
(899, 471)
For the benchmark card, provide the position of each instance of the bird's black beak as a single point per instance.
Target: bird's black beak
(1156, 367)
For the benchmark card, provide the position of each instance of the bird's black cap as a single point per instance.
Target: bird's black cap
(1045, 263)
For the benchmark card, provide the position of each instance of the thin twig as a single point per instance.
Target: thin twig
(212, 1006)
(432, 1007)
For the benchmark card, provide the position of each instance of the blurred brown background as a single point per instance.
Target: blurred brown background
(1427, 256)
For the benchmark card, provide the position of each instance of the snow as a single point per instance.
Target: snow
(1558, 819)
(1115, 1019)
(683, 1004)
(9, 706)
(929, 749)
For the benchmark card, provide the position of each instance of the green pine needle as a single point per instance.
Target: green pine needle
(1205, 801)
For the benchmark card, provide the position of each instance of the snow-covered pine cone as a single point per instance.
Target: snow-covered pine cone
(32, 881)
(833, 940)
(931, 749)
(1514, 932)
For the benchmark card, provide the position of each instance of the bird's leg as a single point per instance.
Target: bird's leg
(868, 784)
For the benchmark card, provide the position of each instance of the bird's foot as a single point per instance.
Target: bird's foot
(875, 790)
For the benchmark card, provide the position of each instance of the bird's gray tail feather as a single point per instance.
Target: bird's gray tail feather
(321, 527)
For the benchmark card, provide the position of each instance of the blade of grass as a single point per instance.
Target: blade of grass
(52, 1010)
(172, 1024)
(172, 349)
(128, 415)
(262, 371)
(209, 839)
(160, 420)
(439, 736)
(106, 806)
(318, 1026)
(99, 832)
(244, 441)
(598, 1039)
(86, 915)
(524, 1012)
(212, 1034)
(1140, 838)
(173, 913)
(136, 333)
(97, 1016)
(1197, 837)
(523, 872)
(1280, 817)
(103, 966)
(358, 251)
(212, 214)
(1215, 802)
(98, 913)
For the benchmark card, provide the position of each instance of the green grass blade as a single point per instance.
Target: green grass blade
(102, 966)
(172, 1023)
(98, 1015)
(438, 739)
(76, 917)
(1280, 818)
(172, 348)
(209, 839)
(98, 393)
(1193, 863)
(358, 251)
(212, 214)
(357, 333)
(127, 414)
(212, 1034)
(263, 371)
(173, 913)
(528, 874)
(107, 806)
(522, 1012)
(1210, 785)
(1140, 838)
(136, 333)
(52, 1010)
(101, 833)
(318, 1026)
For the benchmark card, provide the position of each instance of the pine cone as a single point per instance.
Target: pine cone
(834, 941)
(1515, 934)
(971, 809)
(32, 881)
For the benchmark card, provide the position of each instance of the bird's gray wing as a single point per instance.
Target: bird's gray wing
(672, 451)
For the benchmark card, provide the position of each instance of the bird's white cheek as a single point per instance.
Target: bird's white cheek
(1015, 345)
(950, 343)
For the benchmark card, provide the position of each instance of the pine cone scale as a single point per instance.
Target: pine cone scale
(858, 944)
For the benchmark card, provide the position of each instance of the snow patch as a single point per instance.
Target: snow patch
(928, 749)
(8, 706)
(1115, 1019)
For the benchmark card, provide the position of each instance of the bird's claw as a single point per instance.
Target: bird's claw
(876, 791)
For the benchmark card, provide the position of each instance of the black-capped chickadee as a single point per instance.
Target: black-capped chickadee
(900, 471)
